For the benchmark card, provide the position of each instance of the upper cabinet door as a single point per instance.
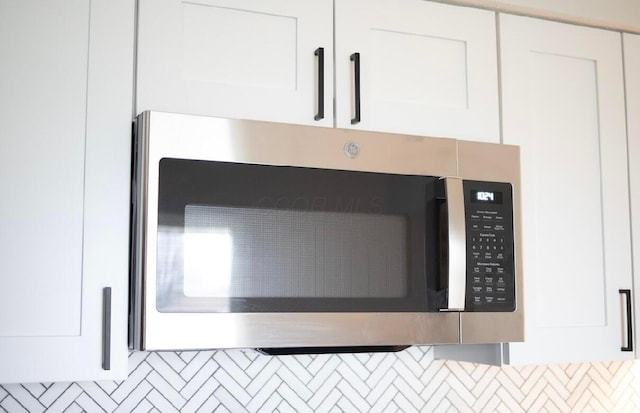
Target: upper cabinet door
(563, 103)
(424, 69)
(65, 139)
(632, 77)
(245, 59)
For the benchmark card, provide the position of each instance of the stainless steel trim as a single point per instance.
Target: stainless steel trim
(251, 330)
(266, 143)
(504, 161)
(457, 265)
(138, 225)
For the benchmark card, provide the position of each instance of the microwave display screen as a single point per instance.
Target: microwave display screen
(486, 197)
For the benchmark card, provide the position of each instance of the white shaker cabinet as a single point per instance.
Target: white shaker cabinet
(246, 59)
(65, 135)
(424, 69)
(632, 76)
(564, 104)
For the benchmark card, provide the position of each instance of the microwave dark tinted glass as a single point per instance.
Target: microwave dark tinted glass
(256, 238)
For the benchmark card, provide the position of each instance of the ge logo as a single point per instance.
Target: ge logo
(351, 149)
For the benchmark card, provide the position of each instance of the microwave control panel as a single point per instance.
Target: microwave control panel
(490, 247)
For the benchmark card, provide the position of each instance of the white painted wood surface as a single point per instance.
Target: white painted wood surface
(65, 113)
(632, 80)
(621, 15)
(42, 104)
(426, 68)
(245, 59)
(563, 103)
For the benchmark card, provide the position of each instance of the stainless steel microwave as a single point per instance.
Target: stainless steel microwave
(293, 238)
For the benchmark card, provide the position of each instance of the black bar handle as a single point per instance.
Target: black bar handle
(106, 328)
(320, 53)
(355, 58)
(629, 346)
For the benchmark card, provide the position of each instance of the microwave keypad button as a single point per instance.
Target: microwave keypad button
(490, 285)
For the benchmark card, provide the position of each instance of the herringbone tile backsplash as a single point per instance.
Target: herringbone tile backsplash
(409, 381)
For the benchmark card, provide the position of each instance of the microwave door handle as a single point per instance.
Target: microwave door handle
(457, 266)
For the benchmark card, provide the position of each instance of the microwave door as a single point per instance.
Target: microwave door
(245, 240)
(238, 247)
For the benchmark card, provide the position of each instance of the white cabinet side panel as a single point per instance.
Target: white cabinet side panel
(632, 80)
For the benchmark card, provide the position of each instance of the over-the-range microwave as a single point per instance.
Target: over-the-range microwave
(290, 238)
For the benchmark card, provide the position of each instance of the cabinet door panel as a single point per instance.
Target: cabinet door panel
(271, 40)
(563, 103)
(65, 122)
(442, 81)
(42, 166)
(632, 77)
(236, 59)
(426, 69)
(566, 141)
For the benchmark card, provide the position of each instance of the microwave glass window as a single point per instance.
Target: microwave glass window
(250, 252)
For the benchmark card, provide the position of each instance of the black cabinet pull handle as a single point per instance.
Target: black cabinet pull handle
(355, 58)
(629, 346)
(320, 53)
(106, 328)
